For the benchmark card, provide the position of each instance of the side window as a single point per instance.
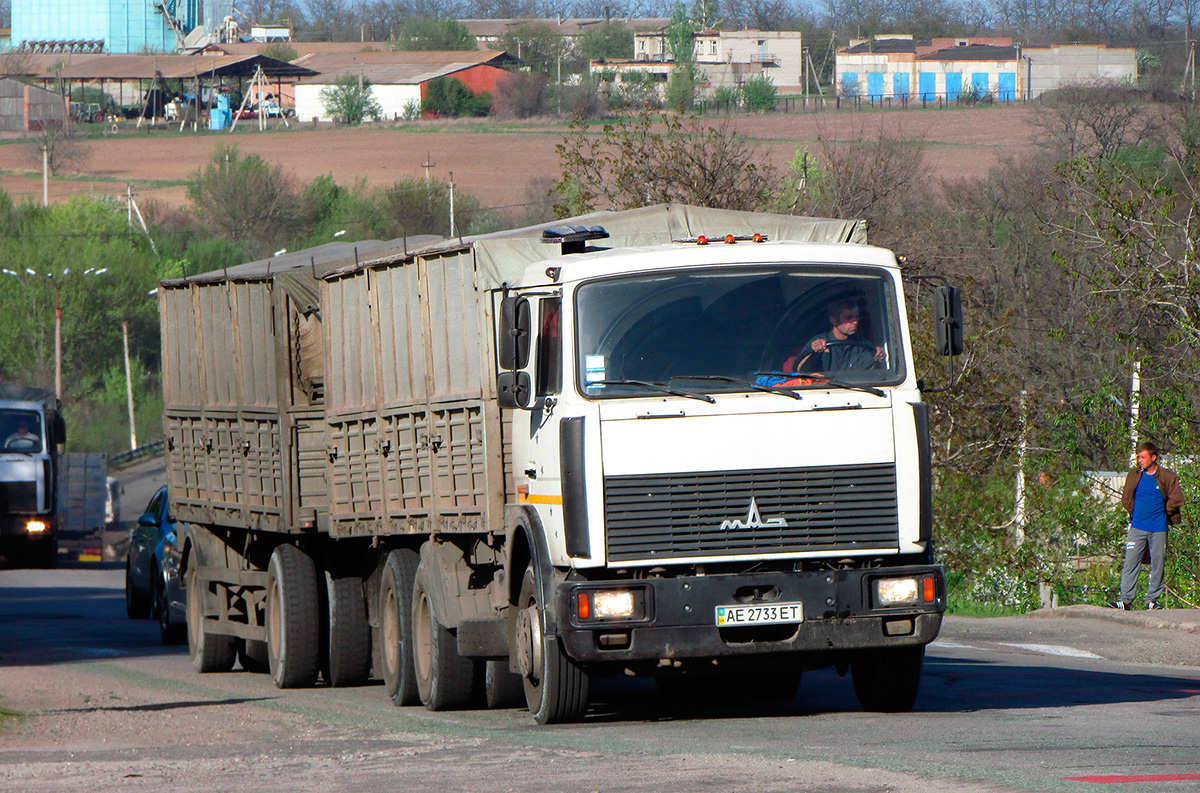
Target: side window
(549, 347)
(155, 505)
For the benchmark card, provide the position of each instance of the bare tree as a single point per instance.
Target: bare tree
(1094, 120)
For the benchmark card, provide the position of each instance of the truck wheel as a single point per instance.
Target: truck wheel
(211, 652)
(254, 656)
(293, 631)
(556, 690)
(45, 555)
(170, 632)
(395, 626)
(137, 605)
(886, 681)
(502, 688)
(349, 633)
(445, 680)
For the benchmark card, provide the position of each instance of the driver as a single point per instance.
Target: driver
(22, 439)
(839, 348)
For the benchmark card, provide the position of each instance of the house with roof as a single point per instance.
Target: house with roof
(897, 68)
(726, 58)
(397, 78)
(491, 33)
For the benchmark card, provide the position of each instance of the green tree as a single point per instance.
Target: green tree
(610, 41)
(350, 100)
(542, 48)
(681, 87)
(706, 13)
(448, 96)
(245, 198)
(423, 33)
(280, 51)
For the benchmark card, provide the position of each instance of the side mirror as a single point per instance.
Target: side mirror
(514, 389)
(947, 322)
(148, 520)
(60, 430)
(514, 332)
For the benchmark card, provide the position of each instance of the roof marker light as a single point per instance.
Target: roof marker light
(702, 240)
(730, 239)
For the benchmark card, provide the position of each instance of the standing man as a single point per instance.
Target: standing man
(1153, 500)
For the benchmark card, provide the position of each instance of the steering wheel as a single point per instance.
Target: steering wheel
(21, 444)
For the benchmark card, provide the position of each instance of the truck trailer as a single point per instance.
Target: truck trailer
(498, 467)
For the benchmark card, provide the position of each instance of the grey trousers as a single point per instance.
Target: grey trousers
(1135, 546)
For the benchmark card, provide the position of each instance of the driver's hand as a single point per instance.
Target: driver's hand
(818, 345)
(879, 354)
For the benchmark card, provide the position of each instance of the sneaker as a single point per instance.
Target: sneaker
(1120, 604)
(1152, 605)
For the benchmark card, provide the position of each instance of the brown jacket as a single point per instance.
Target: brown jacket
(1168, 485)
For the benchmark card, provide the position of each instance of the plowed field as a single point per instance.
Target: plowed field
(494, 161)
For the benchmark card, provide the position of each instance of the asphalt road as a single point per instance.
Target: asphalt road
(91, 701)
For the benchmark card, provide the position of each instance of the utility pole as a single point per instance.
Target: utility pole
(1022, 444)
(45, 175)
(429, 163)
(1135, 406)
(452, 203)
(129, 387)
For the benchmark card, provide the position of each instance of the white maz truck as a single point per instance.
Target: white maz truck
(489, 468)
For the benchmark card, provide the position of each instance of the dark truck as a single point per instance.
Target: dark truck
(32, 433)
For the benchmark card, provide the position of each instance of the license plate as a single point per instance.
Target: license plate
(774, 614)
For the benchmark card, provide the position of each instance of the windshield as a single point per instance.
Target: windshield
(731, 330)
(21, 430)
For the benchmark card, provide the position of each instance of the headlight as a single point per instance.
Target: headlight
(895, 591)
(35, 526)
(612, 605)
(596, 605)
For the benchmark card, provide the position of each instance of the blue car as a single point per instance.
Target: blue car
(152, 571)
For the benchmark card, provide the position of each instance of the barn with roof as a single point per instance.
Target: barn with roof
(397, 78)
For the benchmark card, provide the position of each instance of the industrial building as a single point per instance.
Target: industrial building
(117, 26)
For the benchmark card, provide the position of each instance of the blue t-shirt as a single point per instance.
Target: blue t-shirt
(1149, 509)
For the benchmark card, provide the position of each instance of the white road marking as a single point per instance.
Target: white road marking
(1052, 649)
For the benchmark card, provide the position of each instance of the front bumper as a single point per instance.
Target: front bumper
(678, 621)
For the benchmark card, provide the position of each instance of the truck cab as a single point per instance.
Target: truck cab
(720, 500)
(30, 430)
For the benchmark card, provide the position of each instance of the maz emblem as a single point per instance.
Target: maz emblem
(754, 520)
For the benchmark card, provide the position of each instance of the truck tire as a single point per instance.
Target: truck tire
(171, 633)
(254, 656)
(349, 634)
(445, 680)
(45, 554)
(137, 604)
(211, 652)
(395, 626)
(556, 689)
(293, 629)
(887, 680)
(502, 688)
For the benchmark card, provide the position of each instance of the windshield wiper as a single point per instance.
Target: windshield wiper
(662, 389)
(784, 391)
(826, 381)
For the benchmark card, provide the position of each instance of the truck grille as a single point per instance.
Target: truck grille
(18, 497)
(677, 516)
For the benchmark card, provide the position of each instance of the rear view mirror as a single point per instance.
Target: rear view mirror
(60, 430)
(513, 333)
(947, 322)
(513, 389)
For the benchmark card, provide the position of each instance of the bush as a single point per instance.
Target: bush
(758, 94)
(423, 33)
(521, 95)
(350, 102)
(280, 51)
(581, 101)
(245, 198)
(447, 96)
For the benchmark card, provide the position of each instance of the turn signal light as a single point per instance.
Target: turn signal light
(584, 606)
(35, 526)
(928, 591)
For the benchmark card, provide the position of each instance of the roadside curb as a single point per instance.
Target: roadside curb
(1187, 620)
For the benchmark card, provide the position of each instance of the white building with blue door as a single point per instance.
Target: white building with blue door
(898, 69)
